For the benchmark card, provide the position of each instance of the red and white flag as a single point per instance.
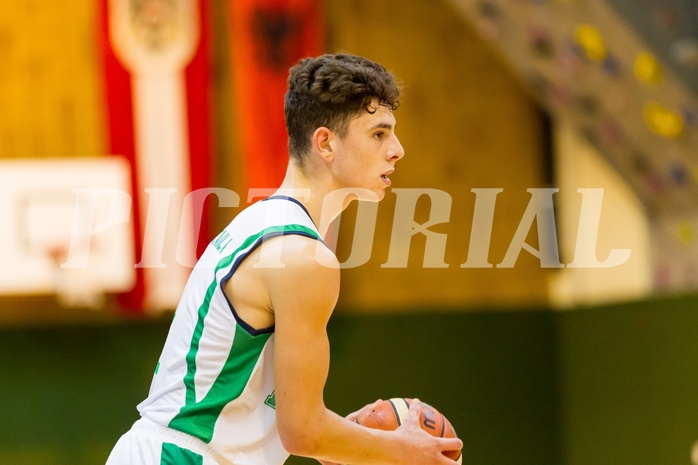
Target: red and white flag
(156, 63)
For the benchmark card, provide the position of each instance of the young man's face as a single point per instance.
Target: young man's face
(366, 156)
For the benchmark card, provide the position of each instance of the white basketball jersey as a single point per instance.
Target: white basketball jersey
(215, 377)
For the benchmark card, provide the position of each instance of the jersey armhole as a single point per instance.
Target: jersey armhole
(238, 260)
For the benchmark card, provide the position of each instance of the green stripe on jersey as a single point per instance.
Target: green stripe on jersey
(199, 418)
(172, 454)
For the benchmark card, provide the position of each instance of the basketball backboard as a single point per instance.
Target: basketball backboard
(66, 228)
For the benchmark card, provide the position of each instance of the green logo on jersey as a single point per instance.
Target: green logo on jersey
(271, 400)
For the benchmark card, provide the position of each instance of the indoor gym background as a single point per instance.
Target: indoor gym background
(532, 365)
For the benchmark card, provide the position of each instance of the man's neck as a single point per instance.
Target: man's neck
(317, 194)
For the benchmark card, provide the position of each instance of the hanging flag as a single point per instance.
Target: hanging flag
(267, 38)
(156, 66)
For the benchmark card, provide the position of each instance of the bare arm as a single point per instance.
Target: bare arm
(303, 296)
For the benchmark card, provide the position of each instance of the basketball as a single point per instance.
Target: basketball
(389, 414)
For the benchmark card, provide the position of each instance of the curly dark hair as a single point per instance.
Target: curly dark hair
(329, 91)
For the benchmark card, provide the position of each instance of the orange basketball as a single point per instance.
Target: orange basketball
(389, 414)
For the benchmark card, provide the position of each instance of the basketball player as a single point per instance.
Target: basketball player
(241, 376)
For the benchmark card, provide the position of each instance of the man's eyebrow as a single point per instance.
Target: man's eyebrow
(381, 126)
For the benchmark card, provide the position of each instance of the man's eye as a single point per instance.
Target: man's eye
(379, 135)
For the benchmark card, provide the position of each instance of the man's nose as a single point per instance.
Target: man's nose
(396, 151)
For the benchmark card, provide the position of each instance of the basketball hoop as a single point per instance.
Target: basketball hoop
(74, 287)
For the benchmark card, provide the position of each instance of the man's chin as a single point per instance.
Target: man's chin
(373, 196)
(368, 195)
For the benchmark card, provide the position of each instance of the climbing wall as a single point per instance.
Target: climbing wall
(626, 78)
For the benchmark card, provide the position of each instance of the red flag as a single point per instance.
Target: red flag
(156, 74)
(267, 38)
(117, 84)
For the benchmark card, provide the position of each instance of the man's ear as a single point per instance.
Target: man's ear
(322, 142)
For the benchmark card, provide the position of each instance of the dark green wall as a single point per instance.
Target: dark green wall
(489, 373)
(611, 385)
(630, 377)
(71, 391)
(68, 392)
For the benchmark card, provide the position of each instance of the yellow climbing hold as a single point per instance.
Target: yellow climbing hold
(686, 232)
(591, 41)
(647, 68)
(663, 121)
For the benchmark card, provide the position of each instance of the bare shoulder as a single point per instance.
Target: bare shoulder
(301, 273)
(297, 255)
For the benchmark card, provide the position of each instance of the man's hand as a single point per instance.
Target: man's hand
(428, 446)
(422, 447)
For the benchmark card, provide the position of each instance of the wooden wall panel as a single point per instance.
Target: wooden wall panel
(465, 123)
(50, 80)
